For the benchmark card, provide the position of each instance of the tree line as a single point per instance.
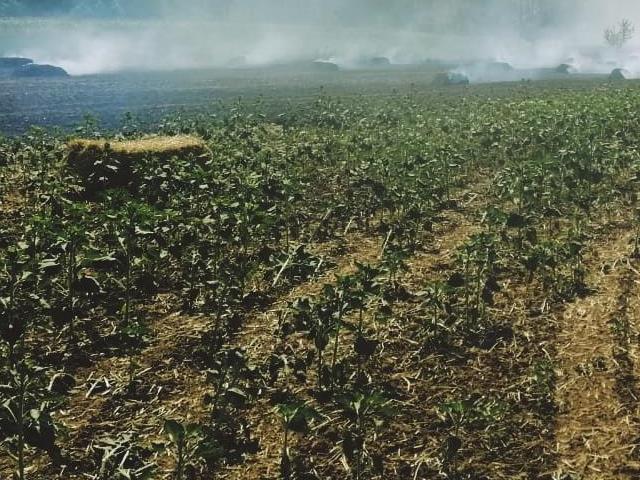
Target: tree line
(354, 9)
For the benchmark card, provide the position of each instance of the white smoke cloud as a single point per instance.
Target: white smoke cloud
(263, 32)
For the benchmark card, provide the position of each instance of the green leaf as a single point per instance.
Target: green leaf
(175, 431)
(236, 396)
(209, 451)
(192, 430)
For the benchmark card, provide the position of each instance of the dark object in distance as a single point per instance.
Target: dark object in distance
(565, 69)
(14, 62)
(34, 70)
(379, 62)
(323, 66)
(617, 74)
(450, 78)
(499, 67)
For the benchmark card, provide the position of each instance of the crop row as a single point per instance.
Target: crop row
(223, 237)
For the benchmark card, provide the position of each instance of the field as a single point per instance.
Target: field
(150, 97)
(370, 280)
(146, 99)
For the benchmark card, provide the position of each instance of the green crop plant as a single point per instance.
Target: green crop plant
(575, 245)
(289, 196)
(228, 374)
(342, 299)
(25, 417)
(14, 329)
(295, 418)
(478, 259)
(189, 445)
(71, 243)
(394, 258)
(366, 412)
(129, 226)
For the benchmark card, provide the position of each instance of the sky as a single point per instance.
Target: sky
(97, 36)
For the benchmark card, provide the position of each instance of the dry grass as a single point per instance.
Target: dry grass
(594, 432)
(157, 145)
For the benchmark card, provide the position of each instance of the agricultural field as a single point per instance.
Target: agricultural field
(150, 97)
(378, 282)
(147, 98)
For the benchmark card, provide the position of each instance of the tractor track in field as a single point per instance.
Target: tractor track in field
(100, 407)
(258, 339)
(390, 369)
(597, 369)
(174, 385)
(623, 323)
(625, 326)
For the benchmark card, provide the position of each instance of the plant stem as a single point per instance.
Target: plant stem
(320, 369)
(335, 345)
(21, 401)
(180, 465)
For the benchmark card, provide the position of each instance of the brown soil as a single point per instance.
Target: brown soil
(258, 338)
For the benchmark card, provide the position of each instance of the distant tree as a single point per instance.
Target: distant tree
(33, 7)
(618, 35)
(97, 8)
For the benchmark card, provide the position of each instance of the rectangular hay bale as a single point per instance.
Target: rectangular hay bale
(103, 164)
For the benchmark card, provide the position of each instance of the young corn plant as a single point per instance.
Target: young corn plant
(369, 289)
(295, 418)
(130, 228)
(71, 243)
(438, 298)
(394, 258)
(575, 246)
(13, 331)
(478, 261)
(366, 413)
(190, 447)
(341, 299)
(25, 416)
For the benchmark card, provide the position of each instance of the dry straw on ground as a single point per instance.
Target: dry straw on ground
(157, 145)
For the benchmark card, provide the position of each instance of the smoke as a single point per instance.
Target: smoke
(168, 35)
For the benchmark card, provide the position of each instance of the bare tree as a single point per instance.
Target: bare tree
(618, 35)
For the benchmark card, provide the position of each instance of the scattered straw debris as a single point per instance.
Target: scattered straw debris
(156, 145)
(593, 428)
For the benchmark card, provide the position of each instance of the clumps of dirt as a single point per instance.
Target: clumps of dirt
(103, 164)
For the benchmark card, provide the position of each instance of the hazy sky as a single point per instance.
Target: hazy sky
(167, 34)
